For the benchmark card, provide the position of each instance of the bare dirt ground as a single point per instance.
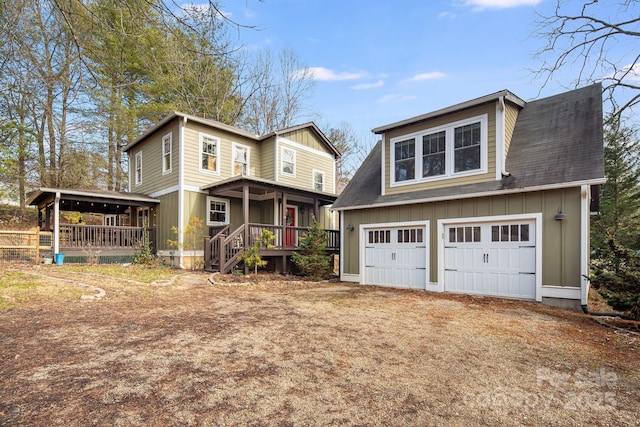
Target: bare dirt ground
(293, 353)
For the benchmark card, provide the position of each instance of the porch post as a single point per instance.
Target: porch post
(56, 224)
(245, 214)
(283, 219)
(316, 211)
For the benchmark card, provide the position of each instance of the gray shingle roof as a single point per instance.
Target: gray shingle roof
(556, 140)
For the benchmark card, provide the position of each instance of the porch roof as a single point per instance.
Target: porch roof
(260, 186)
(96, 201)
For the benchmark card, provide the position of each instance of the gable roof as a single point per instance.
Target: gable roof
(557, 142)
(231, 129)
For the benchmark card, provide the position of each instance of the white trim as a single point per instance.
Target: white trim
(227, 211)
(174, 188)
(563, 292)
(297, 216)
(449, 130)
(181, 125)
(313, 179)
(276, 164)
(56, 223)
(282, 172)
(585, 217)
(234, 146)
(500, 139)
(363, 242)
(135, 171)
(354, 278)
(480, 194)
(201, 136)
(341, 255)
(536, 217)
(382, 166)
(167, 252)
(306, 148)
(170, 153)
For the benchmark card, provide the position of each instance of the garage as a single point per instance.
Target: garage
(396, 256)
(491, 258)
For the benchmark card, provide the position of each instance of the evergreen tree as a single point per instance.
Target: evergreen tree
(312, 258)
(616, 231)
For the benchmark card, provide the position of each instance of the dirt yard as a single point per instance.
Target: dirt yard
(188, 352)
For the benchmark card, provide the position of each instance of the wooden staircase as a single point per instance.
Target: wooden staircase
(221, 252)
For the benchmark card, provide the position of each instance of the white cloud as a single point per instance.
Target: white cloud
(447, 15)
(372, 85)
(396, 98)
(628, 73)
(427, 76)
(327, 75)
(499, 4)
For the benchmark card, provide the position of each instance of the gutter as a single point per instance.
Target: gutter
(503, 155)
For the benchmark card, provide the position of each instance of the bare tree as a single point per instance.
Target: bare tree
(276, 92)
(599, 40)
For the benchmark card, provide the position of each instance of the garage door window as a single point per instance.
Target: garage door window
(410, 235)
(380, 236)
(510, 233)
(464, 234)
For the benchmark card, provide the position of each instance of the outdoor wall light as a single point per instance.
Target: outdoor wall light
(560, 215)
(350, 227)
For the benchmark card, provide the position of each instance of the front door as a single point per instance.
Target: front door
(291, 221)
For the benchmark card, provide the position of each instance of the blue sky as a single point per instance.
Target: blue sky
(376, 62)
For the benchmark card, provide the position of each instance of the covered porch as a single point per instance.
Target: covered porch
(255, 205)
(125, 222)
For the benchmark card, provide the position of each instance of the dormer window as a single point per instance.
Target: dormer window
(455, 149)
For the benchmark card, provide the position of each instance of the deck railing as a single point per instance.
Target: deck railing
(79, 236)
(292, 236)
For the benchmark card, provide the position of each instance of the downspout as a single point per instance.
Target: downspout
(181, 124)
(502, 139)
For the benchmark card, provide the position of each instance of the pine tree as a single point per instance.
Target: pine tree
(615, 232)
(312, 258)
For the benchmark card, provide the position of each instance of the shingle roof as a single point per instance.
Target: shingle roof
(556, 140)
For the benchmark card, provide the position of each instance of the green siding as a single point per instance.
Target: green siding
(560, 239)
(152, 178)
(167, 217)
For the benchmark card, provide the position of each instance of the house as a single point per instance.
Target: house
(237, 183)
(491, 196)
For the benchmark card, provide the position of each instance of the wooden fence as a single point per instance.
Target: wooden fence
(25, 246)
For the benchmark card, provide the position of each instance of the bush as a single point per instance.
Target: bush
(312, 258)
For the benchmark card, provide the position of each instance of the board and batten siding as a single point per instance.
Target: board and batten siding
(560, 239)
(268, 158)
(306, 163)
(306, 137)
(194, 176)
(488, 109)
(167, 217)
(152, 177)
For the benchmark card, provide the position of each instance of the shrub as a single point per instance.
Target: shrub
(312, 258)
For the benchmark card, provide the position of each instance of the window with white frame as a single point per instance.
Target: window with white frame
(288, 162)
(240, 160)
(454, 149)
(166, 154)
(209, 153)
(318, 180)
(217, 211)
(138, 167)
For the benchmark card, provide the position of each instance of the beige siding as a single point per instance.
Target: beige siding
(152, 178)
(510, 117)
(194, 176)
(306, 163)
(167, 217)
(306, 137)
(488, 109)
(268, 158)
(560, 239)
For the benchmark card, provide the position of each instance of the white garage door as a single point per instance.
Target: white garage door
(396, 257)
(496, 259)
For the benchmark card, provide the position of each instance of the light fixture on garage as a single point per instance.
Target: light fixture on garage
(350, 227)
(560, 215)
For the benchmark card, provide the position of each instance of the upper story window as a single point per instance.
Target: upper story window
(455, 149)
(217, 211)
(318, 180)
(288, 162)
(240, 164)
(166, 154)
(138, 164)
(209, 153)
